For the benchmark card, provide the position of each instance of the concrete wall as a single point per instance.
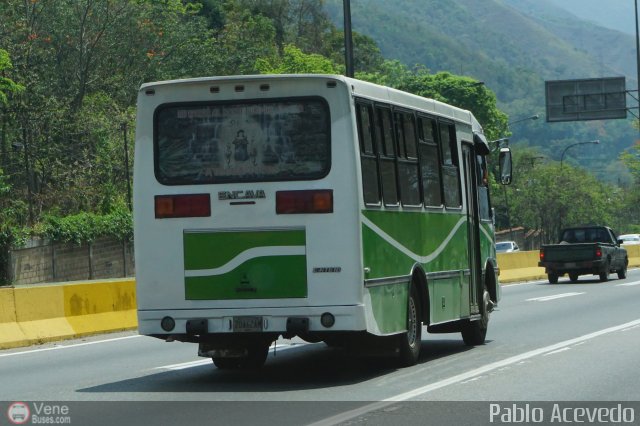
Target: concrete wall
(104, 258)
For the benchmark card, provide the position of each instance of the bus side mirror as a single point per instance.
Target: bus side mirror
(504, 161)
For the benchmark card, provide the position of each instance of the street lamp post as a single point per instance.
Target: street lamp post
(348, 39)
(533, 117)
(595, 142)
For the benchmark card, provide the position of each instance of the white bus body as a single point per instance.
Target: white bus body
(251, 220)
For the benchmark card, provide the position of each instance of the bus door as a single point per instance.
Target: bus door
(473, 221)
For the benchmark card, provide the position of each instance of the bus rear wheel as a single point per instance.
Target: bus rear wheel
(256, 357)
(409, 342)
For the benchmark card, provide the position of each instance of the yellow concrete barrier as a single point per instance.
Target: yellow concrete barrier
(523, 265)
(634, 254)
(37, 314)
(11, 335)
(519, 266)
(43, 313)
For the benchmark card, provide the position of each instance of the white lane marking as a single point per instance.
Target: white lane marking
(348, 415)
(510, 285)
(54, 348)
(557, 352)
(184, 365)
(207, 361)
(553, 297)
(628, 284)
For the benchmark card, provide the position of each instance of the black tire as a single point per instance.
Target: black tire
(604, 273)
(553, 278)
(475, 332)
(409, 342)
(227, 363)
(622, 273)
(335, 342)
(256, 357)
(573, 277)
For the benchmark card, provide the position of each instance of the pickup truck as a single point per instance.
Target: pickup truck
(589, 250)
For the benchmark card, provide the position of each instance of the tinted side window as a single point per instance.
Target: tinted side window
(450, 166)
(368, 163)
(483, 188)
(429, 162)
(408, 173)
(387, 163)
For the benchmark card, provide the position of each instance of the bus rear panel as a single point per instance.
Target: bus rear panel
(245, 214)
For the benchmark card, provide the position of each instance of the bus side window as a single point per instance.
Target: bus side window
(429, 163)
(408, 176)
(450, 166)
(386, 156)
(368, 163)
(483, 188)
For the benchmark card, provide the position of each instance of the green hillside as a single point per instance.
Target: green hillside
(513, 46)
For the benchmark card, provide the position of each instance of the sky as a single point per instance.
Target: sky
(614, 14)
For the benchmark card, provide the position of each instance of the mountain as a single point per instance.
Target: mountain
(613, 14)
(514, 46)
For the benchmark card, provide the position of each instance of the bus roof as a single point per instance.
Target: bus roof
(357, 87)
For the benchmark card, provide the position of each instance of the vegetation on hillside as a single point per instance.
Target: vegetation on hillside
(70, 71)
(514, 47)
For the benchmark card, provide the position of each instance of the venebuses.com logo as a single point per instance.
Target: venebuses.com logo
(18, 413)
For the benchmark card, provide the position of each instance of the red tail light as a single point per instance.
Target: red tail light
(541, 255)
(598, 252)
(191, 205)
(310, 201)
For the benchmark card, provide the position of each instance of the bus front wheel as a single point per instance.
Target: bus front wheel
(475, 332)
(409, 342)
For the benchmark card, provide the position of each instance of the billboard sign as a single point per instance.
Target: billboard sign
(586, 99)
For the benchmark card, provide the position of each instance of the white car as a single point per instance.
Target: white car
(630, 239)
(506, 247)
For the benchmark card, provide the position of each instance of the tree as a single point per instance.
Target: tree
(294, 61)
(7, 86)
(548, 197)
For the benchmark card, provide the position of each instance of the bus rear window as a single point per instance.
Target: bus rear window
(200, 143)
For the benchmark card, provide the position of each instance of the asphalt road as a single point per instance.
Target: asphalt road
(574, 343)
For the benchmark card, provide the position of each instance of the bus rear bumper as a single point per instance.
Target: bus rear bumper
(197, 322)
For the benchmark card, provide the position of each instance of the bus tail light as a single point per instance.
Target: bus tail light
(308, 201)
(191, 205)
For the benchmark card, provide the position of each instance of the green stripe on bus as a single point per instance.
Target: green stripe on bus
(245, 265)
(421, 234)
(205, 250)
(277, 277)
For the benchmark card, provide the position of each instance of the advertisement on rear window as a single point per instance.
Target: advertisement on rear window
(242, 142)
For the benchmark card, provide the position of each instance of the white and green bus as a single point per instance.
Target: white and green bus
(316, 206)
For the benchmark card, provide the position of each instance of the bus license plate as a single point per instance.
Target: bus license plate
(247, 324)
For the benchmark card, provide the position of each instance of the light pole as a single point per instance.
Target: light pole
(348, 39)
(533, 117)
(595, 142)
